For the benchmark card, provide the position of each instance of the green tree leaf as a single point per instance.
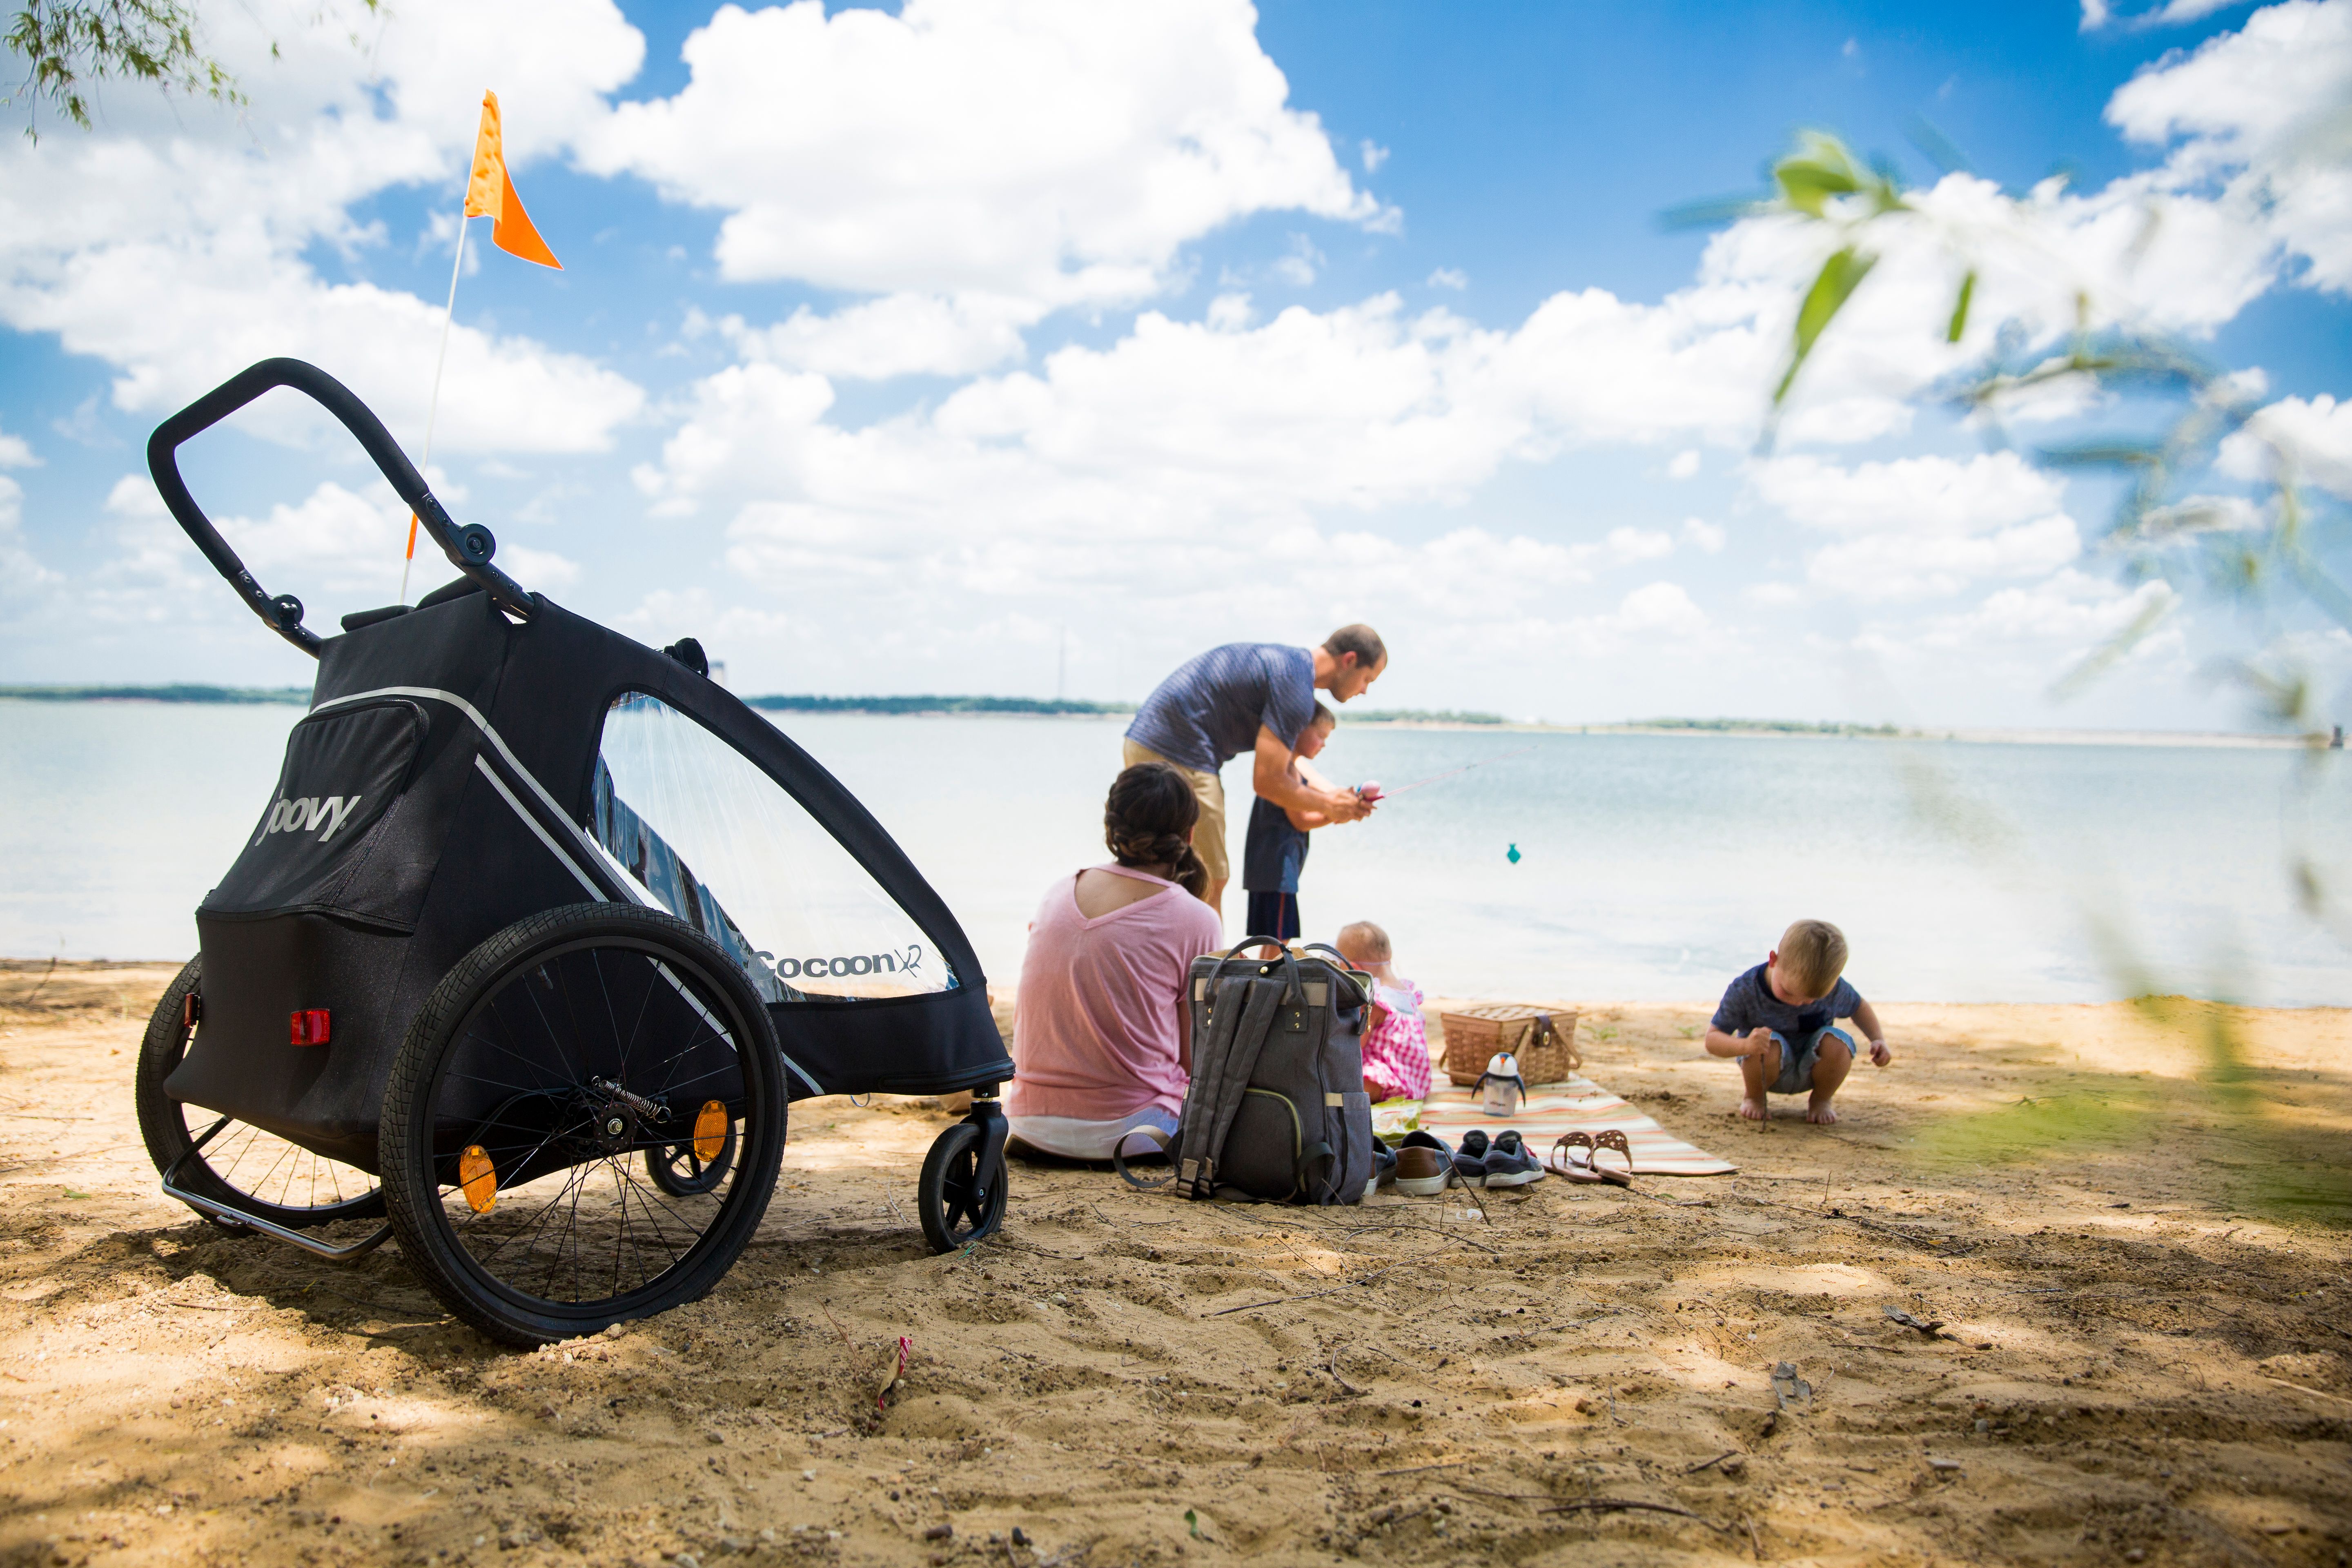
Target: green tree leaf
(1960, 308)
(1839, 276)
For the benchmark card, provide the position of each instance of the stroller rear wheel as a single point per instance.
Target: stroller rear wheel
(959, 1202)
(228, 1161)
(536, 1100)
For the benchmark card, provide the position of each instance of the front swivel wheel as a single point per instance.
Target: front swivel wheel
(961, 1193)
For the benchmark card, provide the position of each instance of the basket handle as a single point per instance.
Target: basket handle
(468, 548)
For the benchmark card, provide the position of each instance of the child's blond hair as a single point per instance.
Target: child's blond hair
(1813, 956)
(1366, 941)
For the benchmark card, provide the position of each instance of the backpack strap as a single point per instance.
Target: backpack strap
(1241, 1015)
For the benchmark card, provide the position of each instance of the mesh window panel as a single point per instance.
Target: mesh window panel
(707, 835)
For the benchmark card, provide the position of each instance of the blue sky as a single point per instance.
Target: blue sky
(893, 350)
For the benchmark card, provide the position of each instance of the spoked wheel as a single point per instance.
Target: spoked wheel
(584, 1123)
(960, 1203)
(231, 1162)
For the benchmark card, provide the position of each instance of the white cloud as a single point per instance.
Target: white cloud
(1931, 494)
(1058, 153)
(171, 242)
(1374, 155)
(1449, 278)
(1685, 464)
(23, 579)
(2097, 13)
(15, 452)
(898, 335)
(1922, 527)
(1298, 267)
(1773, 595)
(2259, 116)
(1709, 537)
(2314, 436)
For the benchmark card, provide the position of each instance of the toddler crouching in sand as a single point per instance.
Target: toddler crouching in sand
(1779, 1020)
(1396, 1046)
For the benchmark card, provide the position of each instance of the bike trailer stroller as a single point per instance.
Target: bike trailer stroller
(537, 937)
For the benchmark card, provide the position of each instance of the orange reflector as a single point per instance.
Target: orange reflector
(479, 1178)
(709, 1130)
(307, 1026)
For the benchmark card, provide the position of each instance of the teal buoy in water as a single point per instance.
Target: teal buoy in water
(1512, 854)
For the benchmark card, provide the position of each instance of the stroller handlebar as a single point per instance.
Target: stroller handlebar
(469, 548)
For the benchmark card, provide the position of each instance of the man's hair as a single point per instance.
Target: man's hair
(1813, 956)
(1360, 641)
(1366, 939)
(1325, 716)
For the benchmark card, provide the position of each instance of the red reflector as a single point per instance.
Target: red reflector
(309, 1027)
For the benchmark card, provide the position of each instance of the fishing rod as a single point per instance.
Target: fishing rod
(1393, 793)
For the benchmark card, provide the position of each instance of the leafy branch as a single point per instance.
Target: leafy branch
(68, 43)
(2231, 547)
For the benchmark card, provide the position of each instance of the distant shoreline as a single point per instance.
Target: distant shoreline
(930, 706)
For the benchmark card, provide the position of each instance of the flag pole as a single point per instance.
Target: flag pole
(433, 407)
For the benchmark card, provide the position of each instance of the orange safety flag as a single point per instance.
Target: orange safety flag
(492, 194)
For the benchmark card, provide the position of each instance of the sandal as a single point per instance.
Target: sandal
(1613, 1139)
(1565, 1161)
(1581, 1161)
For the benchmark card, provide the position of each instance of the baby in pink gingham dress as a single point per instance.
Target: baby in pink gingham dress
(1396, 1046)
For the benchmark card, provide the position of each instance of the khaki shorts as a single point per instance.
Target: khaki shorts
(1209, 836)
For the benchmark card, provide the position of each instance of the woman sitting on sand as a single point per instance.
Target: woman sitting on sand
(1102, 1037)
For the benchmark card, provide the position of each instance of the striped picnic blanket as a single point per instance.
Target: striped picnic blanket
(1553, 1108)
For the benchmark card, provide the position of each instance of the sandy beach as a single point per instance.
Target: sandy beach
(2136, 1269)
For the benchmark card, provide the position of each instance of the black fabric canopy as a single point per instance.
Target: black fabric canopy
(444, 787)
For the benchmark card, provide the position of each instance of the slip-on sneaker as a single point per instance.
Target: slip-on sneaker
(1470, 1159)
(1508, 1163)
(1424, 1161)
(1384, 1166)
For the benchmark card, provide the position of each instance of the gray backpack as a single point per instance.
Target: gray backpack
(1276, 1110)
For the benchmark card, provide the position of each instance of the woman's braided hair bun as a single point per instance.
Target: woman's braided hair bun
(1149, 820)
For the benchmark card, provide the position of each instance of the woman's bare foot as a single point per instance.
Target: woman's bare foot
(1752, 1108)
(1820, 1111)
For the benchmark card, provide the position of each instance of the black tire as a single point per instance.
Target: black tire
(960, 1202)
(553, 1051)
(681, 1172)
(254, 1171)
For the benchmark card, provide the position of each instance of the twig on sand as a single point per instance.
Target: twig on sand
(1416, 1469)
(838, 1329)
(1311, 1295)
(1622, 1505)
(1332, 1364)
(2300, 1389)
(1427, 1230)
(1709, 1464)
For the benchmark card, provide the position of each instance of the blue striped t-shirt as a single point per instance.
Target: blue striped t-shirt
(1210, 709)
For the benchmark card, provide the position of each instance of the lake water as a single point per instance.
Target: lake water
(1651, 867)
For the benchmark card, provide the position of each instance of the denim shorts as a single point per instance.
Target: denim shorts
(1797, 1061)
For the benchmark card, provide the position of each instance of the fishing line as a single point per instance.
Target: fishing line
(1393, 793)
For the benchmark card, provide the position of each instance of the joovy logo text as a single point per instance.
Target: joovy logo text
(310, 812)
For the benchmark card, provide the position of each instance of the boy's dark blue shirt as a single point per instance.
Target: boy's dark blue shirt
(1748, 1003)
(1275, 853)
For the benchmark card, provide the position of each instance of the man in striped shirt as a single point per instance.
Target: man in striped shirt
(1255, 698)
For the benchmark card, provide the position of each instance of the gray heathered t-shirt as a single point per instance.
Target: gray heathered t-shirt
(1748, 1003)
(1210, 709)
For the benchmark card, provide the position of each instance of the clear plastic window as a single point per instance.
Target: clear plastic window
(705, 835)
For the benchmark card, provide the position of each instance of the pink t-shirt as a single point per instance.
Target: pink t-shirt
(1096, 1032)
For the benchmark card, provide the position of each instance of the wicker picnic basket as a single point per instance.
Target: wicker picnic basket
(1544, 1039)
